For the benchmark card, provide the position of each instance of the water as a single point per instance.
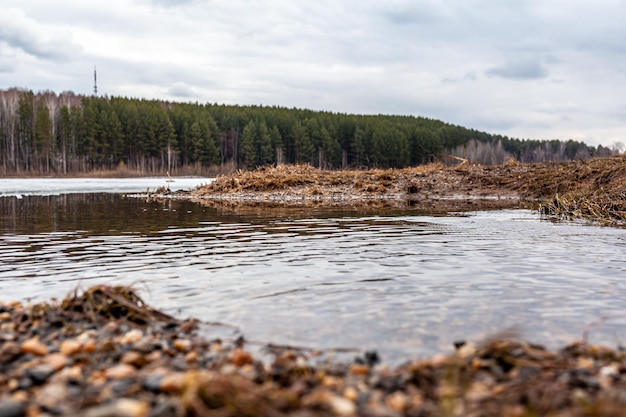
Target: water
(402, 282)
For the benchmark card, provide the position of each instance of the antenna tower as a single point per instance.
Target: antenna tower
(95, 82)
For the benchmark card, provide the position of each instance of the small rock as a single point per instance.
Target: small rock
(172, 382)
(121, 371)
(241, 357)
(6, 316)
(351, 394)
(89, 346)
(57, 360)
(165, 409)
(34, 347)
(133, 358)
(397, 401)
(467, 350)
(132, 336)
(358, 369)
(144, 345)
(12, 408)
(342, 406)
(52, 395)
(71, 347)
(40, 374)
(182, 345)
(192, 357)
(153, 383)
(124, 407)
(9, 351)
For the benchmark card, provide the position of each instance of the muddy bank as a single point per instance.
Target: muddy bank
(105, 353)
(592, 190)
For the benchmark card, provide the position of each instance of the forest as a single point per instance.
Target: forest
(64, 134)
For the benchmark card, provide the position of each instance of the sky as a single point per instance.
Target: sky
(528, 69)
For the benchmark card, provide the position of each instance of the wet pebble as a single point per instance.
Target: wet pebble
(123, 407)
(34, 347)
(40, 374)
(71, 347)
(12, 408)
(9, 351)
(121, 371)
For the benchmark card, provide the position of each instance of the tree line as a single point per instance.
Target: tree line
(45, 133)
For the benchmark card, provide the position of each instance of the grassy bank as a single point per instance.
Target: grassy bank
(593, 190)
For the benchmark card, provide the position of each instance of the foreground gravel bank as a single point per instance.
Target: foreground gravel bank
(105, 353)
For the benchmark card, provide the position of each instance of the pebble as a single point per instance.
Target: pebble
(34, 347)
(130, 337)
(124, 407)
(40, 374)
(121, 371)
(351, 394)
(12, 408)
(358, 369)
(342, 406)
(182, 345)
(144, 345)
(71, 347)
(57, 360)
(133, 358)
(172, 382)
(397, 401)
(240, 357)
(9, 351)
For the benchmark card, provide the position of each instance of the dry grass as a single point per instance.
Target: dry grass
(594, 189)
(103, 302)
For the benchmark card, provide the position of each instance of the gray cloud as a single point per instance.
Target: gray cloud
(181, 90)
(20, 32)
(519, 70)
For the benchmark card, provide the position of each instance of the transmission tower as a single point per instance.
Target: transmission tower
(95, 82)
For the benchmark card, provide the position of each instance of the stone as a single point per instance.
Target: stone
(397, 401)
(121, 371)
(173, 382)
(9, 351)
(71, 347)
(40, 374)
(34, 347)
(131, 337)
(133, 358)
(124, 407)
(57, 360)
(240, 357)
(182, 345)
(12, 408)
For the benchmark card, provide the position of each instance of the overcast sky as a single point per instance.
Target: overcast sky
(536, 69)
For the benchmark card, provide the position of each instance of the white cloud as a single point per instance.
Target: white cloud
(17, 31)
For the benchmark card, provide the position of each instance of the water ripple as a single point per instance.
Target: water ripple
(405, 284)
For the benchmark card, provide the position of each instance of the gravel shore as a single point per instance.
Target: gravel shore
(105, 353)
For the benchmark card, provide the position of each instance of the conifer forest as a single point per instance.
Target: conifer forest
(45, 133)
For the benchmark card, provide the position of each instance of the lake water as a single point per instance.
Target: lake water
(404, 283)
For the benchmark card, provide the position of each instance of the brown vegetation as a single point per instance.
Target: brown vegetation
(594, 189)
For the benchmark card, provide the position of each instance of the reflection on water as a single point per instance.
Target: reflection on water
(402, 283)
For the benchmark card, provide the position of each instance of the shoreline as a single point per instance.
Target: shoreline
(104, 352)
